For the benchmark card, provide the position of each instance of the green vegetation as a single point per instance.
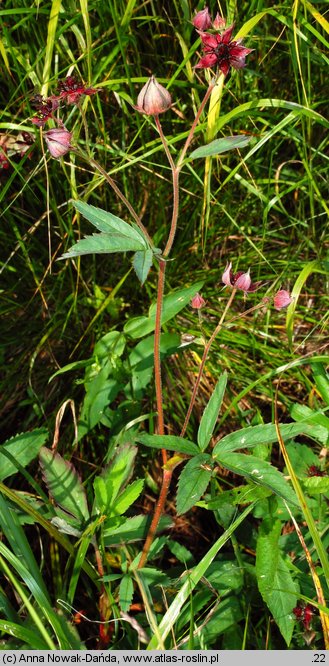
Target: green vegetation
(163, 484)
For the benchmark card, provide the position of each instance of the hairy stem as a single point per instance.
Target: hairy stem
(157, 358)
(175, 169)
(166, 480)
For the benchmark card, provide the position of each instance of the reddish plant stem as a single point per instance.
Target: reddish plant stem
(167, 473)
(157, 358)
(166, 480)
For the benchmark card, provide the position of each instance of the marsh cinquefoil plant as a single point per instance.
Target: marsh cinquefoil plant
(99, 520)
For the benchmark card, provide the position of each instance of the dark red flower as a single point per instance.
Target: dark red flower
(221, 52)
(304, 613)
(45, 109)
(70, 90)
(314, 470)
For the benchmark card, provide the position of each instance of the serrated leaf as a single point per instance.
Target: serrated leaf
(128, 496)
(132, 529)
(126, 591)
(142, 263)
(120, 469)
(219, 146)
(260, 434)
(100, 493)
(152, 576)
(103, 244)
(210, 414)
(108, 223)
(100, 393)
(23, 448)
(321, 377)
(193, 481)
(259, 471)
(169, 442)
(275, 582)
(64, 486)
(316, 485)
(318, 421)
(172, 304)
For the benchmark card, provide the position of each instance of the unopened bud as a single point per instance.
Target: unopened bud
(153, 98)
(228, 275)
(202, 20)
(58, 141)
(219, 23)
(282, 299)
(242, 281)
(198, 302)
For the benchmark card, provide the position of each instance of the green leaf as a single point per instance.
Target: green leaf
(127, 497)
(64, 486)
(193, 481)
(316, 419)
(100, 393)
(169, 442)
(141, 360)
(227, 616)
(23, 448)
(126, 591)
(220, 146)
(321, 379)
(260, 434)
(194, 576)
(103, 244)
(259, 471)
(275, 582)
(117, 474)
(315, 266)
(315, 485)
(210, 414)
(132, 529)
(108, 223)
(27, 635)
(172, 304)
(100, 493)
(142, 262)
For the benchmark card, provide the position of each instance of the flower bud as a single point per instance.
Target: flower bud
(58, 141)
(219, 23)
(227, 275)
(242, 281)
(202, 20)
(198, 302)
(153, 98)
(282, 299)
